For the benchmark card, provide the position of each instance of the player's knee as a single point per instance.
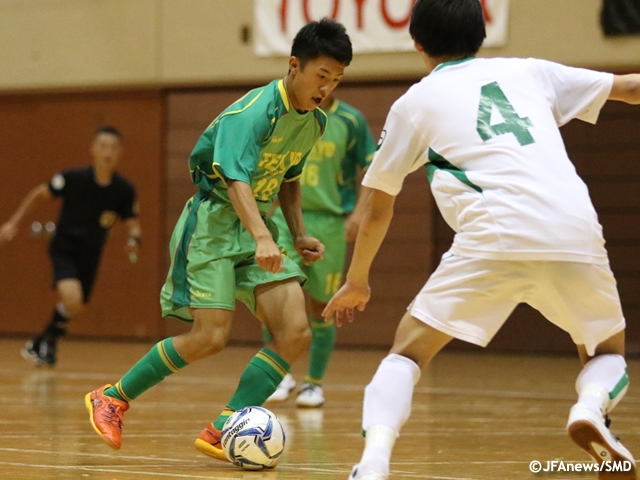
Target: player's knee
(215, 341)
(208, 341)
(294, 340)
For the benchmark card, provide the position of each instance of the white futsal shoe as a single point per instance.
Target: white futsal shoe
(367, 476)
(287, 384)
(590, 432)
(311, 396)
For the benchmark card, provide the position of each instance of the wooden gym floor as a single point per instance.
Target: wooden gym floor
(476, 416)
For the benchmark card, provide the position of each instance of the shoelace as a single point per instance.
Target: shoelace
(308, 388)
(111, 414)
(607, 423)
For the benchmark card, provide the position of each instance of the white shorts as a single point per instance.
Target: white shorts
(471, 298)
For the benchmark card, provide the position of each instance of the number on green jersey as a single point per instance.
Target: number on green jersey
(332, 283)
(265, 189)
(310, 175)
(493, 96)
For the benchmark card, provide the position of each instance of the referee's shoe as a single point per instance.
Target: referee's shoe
(40, 352)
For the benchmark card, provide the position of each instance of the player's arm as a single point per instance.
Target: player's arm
(268, 254)
(374, 227)
(626, 88)
(360, 154)
(401, 152)
(310, 249)
(33, 198)
(352, 224)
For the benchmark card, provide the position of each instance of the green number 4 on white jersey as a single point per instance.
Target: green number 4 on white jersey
(493, 96)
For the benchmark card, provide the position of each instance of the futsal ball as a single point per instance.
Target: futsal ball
(253, 438)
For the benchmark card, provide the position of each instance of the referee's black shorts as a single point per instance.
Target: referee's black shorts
(78, 263)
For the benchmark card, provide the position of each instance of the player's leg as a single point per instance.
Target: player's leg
(208, 335)
(42, 349)
(73, 280)
(323, 339)
(583, 300)
(200, 288)
(325, 278)
(277, 300)
(288, 383)
(280, 306)
(601, 385)
(388, 397)
(479, 295)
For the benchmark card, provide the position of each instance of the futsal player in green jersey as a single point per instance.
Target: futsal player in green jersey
(330, 214)
(224, 247)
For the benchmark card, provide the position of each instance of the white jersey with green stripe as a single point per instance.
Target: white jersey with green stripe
(330, 173)
(260, 140)
(487, 131)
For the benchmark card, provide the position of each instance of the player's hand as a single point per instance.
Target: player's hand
(268, 255)
(351, 227)
(350, 296)
(310, 249)
(8, 231)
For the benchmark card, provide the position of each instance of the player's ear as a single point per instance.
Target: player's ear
(294, 65)
(417, 46)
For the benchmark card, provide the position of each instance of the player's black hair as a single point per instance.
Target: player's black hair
(323, 38)
(110, 130)
(446, 28)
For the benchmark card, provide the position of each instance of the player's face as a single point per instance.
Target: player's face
(105, 151)
(309, 86)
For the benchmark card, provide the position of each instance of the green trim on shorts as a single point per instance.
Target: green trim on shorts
(181, 288)
(213, 261)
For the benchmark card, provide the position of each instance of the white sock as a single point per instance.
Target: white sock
(387, 406)
(62, 310)
(602, 383)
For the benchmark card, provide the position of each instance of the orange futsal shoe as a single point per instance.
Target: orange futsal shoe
(105, 414)
(209, 443)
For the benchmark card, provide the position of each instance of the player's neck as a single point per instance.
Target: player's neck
(291, 94)
(102, 176)
(432, 62)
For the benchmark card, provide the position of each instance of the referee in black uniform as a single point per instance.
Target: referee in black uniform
(93, 198)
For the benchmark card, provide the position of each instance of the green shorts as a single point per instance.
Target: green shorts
(325, 276)
(212, 261)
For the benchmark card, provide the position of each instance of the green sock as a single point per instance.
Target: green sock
(259, 380)
(161, 361)
(322, 342)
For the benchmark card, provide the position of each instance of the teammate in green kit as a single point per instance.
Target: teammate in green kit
(224, 247)
(331, 214)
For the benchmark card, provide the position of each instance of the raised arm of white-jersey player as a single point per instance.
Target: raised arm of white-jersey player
(268, 254)
(626, 88)
(310, 249)
(354, 220)
(10, 229)
(355, 292)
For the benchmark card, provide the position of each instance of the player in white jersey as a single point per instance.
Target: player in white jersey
(526, 230)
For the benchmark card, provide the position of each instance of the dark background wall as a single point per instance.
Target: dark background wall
(43, 134)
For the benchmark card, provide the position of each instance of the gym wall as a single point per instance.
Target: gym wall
(162, 69)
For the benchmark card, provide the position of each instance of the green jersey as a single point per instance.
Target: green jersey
(260, 140)
(330, 175)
